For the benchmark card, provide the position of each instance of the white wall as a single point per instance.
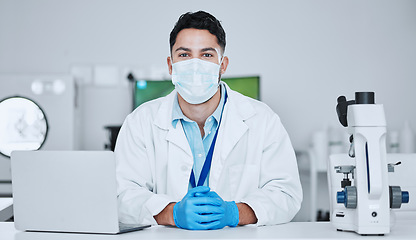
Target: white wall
(306, 52)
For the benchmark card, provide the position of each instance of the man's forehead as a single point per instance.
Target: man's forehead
(196, 38)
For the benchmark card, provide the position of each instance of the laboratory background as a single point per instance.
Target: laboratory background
(83, 62)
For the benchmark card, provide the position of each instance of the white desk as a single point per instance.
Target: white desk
(293, 230)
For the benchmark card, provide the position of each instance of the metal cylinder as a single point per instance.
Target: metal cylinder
(351, 197)
(364, 98)
(395, 196)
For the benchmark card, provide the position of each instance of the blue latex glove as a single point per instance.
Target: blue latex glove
(231, 216)
(198, 213)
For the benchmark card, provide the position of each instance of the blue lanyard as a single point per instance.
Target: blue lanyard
(208, 159)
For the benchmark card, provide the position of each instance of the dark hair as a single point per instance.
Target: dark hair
(198, 20)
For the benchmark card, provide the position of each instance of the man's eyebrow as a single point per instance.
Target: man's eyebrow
(208, 49)
(183, 49)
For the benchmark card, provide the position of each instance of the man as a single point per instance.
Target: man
(204, 157)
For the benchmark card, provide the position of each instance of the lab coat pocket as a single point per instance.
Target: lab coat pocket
(243, 179)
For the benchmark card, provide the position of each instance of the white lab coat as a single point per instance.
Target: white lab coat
(253, 161)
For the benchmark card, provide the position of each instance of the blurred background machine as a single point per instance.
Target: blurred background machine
(36, 112)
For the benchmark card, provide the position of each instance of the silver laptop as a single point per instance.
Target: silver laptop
(66, 191)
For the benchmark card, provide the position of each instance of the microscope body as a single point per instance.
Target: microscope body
(367, 125)
(363, 204)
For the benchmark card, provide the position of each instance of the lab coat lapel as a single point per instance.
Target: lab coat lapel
(177, 140)
(232, 129)
(163, 120)
(180, 159)
(175, 135)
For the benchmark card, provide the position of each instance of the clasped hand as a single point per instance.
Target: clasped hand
(202, 209)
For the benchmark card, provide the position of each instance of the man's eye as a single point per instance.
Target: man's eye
(208, 55)
(183, 55)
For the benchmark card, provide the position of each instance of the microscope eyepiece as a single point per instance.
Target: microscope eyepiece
(341, 108)
(364, 98)
(341, 99)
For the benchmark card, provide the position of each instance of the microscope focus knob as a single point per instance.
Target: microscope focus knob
(341, 197)
(348, 197)
(405, 197)
(397, 196)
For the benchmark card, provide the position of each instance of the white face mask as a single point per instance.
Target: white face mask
(195, 80)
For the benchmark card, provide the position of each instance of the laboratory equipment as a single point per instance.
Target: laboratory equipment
(360, 195)
(23, 125)
(36, 112)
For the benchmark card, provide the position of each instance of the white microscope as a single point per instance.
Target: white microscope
(360, 195)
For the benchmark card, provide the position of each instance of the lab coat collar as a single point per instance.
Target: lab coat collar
(241, 106)
(163, 120)
(164, 114)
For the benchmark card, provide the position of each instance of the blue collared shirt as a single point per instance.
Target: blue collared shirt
(199, 145)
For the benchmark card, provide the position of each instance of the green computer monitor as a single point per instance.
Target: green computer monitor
(148, 90)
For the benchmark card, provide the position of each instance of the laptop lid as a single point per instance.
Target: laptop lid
(65, 191)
